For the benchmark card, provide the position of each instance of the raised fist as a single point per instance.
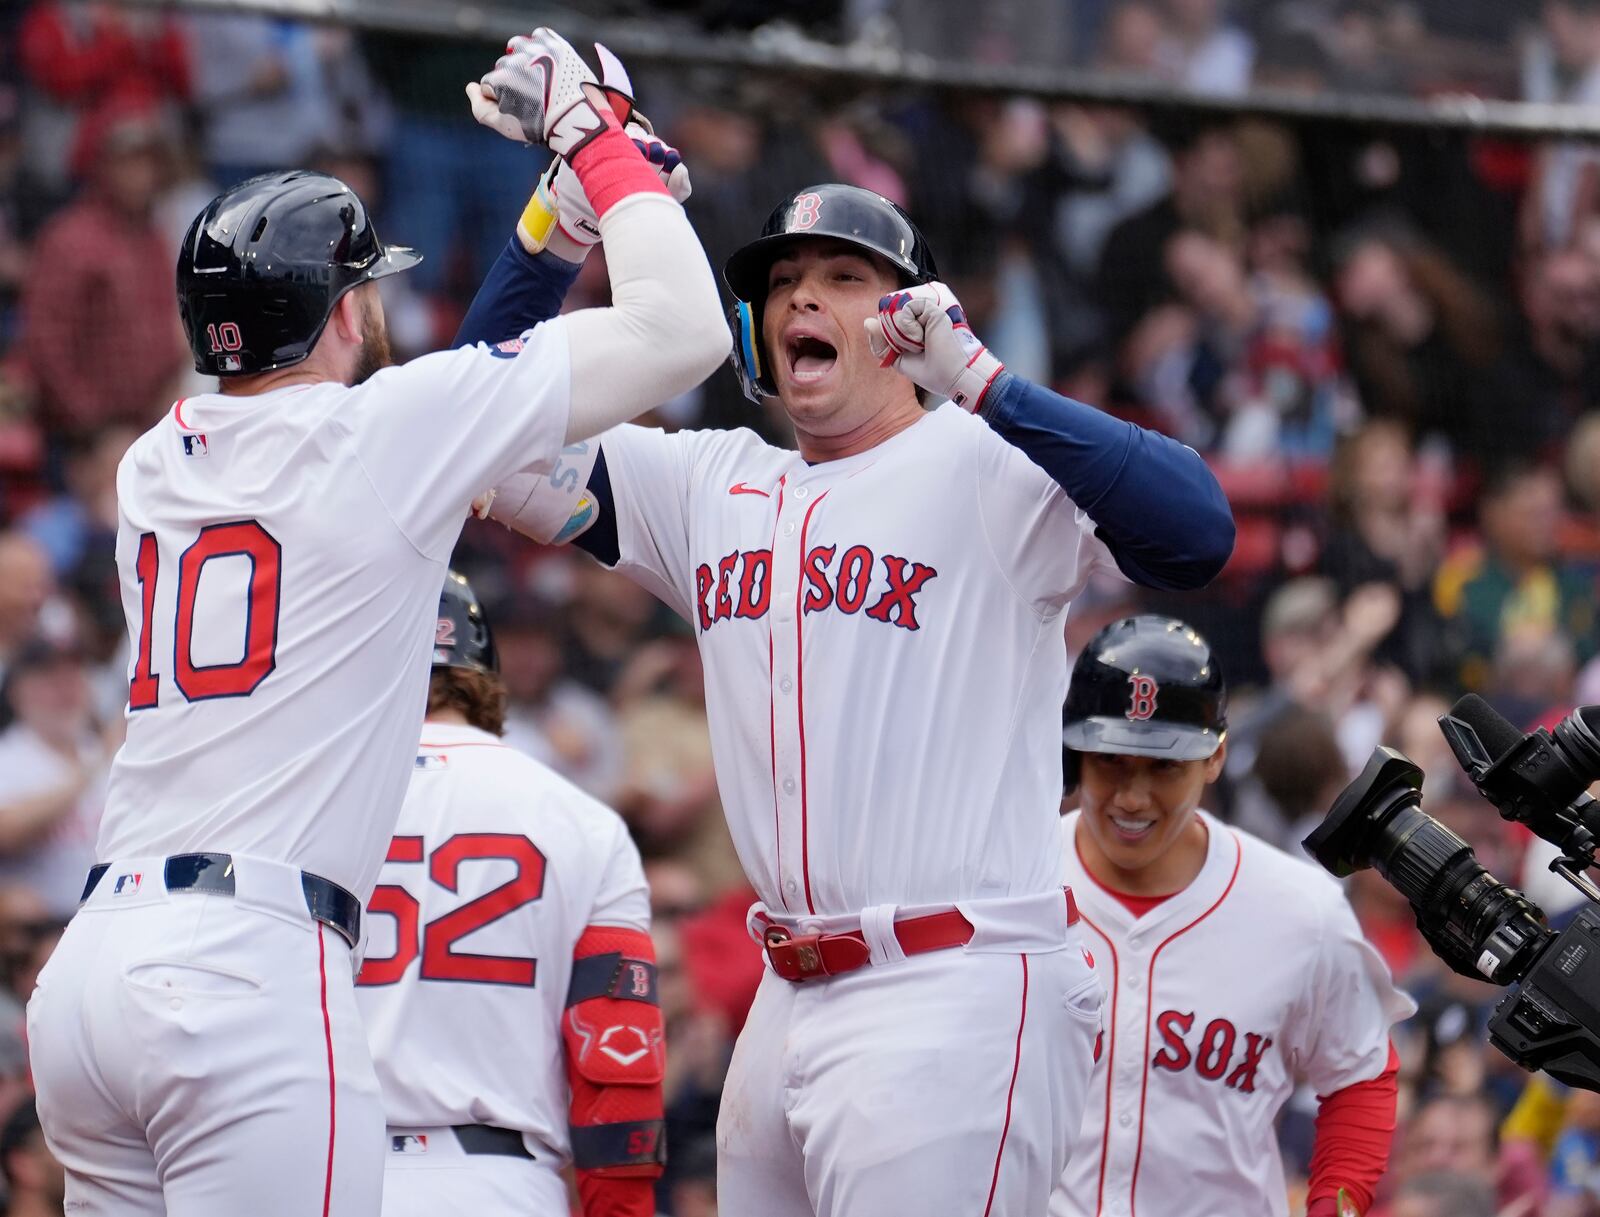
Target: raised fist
(536, 94)
(923, 331)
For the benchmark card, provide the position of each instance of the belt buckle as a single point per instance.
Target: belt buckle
(794, 957)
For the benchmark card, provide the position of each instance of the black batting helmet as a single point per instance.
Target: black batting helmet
(463, 639)
(263, 265)
(1145, 686)
(845, 213)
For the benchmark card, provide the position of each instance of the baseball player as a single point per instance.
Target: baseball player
(515, 978)
(879, 616)
(1234, 972)
(195, 1038)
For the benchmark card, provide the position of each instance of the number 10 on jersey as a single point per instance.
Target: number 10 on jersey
(200, 682)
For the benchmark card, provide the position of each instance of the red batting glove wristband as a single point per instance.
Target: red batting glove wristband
(611, 168)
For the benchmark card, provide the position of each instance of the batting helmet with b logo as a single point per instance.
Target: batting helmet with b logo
(1145, 686)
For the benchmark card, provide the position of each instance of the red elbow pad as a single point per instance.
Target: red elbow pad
(615, 1058)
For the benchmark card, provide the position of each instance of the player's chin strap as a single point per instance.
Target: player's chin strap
(615, 1063)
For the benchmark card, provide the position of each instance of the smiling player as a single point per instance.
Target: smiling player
(1233, 972)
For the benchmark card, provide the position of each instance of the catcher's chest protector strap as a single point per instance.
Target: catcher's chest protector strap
(615, 1056)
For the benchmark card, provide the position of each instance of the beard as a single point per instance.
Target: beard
(375, 353)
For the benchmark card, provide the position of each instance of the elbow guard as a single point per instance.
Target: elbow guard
(551, 508)
(615, 1056)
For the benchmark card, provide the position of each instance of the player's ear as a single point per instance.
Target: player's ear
(346, 318)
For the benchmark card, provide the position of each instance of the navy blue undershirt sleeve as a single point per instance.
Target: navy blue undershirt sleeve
(1154, 502)
(520, 291)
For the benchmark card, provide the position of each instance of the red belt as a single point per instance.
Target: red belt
(797, 957)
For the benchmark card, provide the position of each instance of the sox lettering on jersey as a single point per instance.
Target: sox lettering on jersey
(740, 585)
(1214, 1051)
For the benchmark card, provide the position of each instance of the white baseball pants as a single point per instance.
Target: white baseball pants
(199, 1054)
(427, 1174)
(945, 1083)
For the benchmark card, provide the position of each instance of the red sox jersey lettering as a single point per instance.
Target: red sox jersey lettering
(741, 585)
(1214, 1050)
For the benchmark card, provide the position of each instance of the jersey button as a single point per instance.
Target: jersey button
(1133, 981)
(788, 785)
(801, 492)
(788, 529)
(1125, 1119)
(786, 684)
(791, 887)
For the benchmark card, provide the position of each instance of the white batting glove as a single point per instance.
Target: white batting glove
(923, 331)
(535, 94)
(559, 217)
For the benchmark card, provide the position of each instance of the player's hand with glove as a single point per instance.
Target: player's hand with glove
(923, 331)
(541, 92)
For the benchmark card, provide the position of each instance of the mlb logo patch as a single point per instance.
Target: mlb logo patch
(509, 349)
(409, 1143)
(127, 883)
(195, 445)
(428, 761)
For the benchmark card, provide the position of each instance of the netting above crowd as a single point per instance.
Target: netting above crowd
(1386, 343)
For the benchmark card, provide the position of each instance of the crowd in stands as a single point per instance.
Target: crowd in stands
(1386, 342)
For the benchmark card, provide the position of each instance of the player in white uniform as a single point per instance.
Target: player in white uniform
(879, 616)
(1234, 972)
(513, 953)
(195, 1037)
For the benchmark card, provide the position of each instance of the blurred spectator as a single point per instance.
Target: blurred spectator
(1388, 515)
(1514, 580)
(1556, 355)
(103, 337)
(83, 519)
(668, 793)
(81, 55)
(1562, 64)
(1423, 342)
(37, 1183)
(261, 92)
(1298, 772)
(25, 586)
(1442, 1194)
(1247, 365)
(696, 1064)
(550, 716)
(607, 618)
(53, 769)
(1202, 51)
(1205, 196)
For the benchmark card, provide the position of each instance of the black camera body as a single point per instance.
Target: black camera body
(1477, 925)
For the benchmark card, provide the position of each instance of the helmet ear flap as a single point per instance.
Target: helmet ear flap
(745, 321)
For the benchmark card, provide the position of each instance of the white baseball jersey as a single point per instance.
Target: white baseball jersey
(496, 868)
(1220, 1001)
(881, 638)
(281, 557)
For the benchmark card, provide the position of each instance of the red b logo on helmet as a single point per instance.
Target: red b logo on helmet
(807, 210)
(1142, 697)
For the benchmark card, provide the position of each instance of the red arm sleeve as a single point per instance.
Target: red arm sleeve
(1355, 1127)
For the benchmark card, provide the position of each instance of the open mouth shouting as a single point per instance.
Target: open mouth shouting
(811, 357)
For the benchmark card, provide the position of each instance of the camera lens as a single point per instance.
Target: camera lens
(1475, 923)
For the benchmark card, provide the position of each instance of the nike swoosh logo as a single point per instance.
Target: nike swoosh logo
(741, 488)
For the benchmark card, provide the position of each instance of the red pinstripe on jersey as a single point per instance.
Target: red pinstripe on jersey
(1150, 1005)
(800, 700)
(772, 714)
(1110, 1056)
